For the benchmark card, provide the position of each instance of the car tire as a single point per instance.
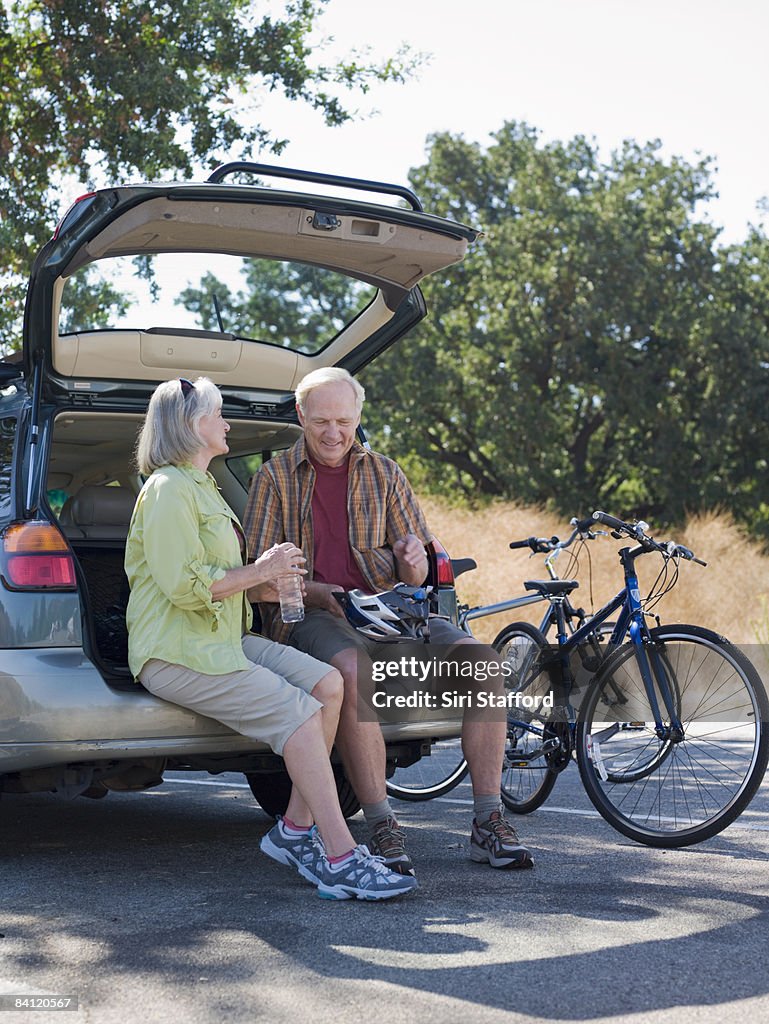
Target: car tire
(273, 789)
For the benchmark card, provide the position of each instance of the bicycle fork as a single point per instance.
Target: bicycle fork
(639, 637)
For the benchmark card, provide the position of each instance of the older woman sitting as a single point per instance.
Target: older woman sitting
(189, 617)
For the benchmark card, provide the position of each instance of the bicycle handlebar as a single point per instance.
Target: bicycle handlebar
(611, 522)
(637, 531)
(539, 545)
(584, 528)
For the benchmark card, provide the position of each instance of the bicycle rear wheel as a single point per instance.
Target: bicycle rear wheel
(671, 791)
(431, 776)
(527, 777)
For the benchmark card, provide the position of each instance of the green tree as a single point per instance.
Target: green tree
(88, 301)
(290, 304)
(732, 367)
(596, 349)
(119, 88)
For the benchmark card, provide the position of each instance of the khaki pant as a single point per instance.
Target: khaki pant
(267, 702)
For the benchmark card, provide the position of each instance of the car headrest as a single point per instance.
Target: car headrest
(102, 513)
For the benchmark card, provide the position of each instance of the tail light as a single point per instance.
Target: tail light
(441, 573)
(80, 199)
(35, 556)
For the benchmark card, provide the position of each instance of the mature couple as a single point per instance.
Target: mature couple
(349, 516)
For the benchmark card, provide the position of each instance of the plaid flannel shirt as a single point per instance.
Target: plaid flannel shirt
(381, 508)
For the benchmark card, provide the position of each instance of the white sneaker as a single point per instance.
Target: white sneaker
(363, 877)
(304, 852)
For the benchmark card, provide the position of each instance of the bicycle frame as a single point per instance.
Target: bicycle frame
(630, 623)
(482, 610)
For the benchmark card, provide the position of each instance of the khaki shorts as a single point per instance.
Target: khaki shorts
(267, 702)
(324, 635)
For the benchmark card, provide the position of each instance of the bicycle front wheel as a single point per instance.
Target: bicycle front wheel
(527, 778)
(674, 790)
(434, 775)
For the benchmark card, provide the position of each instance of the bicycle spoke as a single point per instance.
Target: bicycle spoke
(659, 790)
(527, 777)
(431, 776)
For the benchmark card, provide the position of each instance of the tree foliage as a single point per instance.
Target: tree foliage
(596, 349)
(112, 89)
(289, 304)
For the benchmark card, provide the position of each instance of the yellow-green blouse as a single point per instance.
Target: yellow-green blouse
(183, 536)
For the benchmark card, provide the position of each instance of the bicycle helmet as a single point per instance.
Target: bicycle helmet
(389, 616)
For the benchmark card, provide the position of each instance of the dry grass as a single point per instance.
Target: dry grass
(716, 596)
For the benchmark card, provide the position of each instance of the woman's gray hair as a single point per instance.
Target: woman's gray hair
(328, 375)
(170, 435)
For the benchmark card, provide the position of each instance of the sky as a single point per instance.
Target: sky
(692, 73)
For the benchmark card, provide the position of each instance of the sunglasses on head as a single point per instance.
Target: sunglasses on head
(187, 386)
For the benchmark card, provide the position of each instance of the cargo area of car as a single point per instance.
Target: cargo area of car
(107, 588)
(92, 486)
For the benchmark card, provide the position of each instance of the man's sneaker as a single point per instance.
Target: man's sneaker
(496, 842)
(304, 852)
(364, 877)
(388, 842)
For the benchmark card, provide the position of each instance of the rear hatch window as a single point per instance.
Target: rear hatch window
(291, 305)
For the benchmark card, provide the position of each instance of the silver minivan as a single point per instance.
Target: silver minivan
(249, 285)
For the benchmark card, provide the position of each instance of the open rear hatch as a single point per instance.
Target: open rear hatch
(337, 280)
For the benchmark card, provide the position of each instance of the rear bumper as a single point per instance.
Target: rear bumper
(56, 709)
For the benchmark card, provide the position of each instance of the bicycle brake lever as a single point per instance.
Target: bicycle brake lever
(583, 525)
(690, 556)
(679, 549)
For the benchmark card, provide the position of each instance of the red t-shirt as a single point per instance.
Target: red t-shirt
(334, 561)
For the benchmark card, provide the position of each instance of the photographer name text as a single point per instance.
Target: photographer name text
(461, 700)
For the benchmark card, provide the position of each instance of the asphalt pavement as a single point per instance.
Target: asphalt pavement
(159, 907)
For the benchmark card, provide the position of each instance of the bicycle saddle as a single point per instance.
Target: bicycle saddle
(460, 565)
(546, 587)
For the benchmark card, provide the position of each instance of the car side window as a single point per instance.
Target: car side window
(56, 499)
(7, 437)
(243, 467)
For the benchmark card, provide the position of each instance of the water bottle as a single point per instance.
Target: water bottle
(290, 593)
